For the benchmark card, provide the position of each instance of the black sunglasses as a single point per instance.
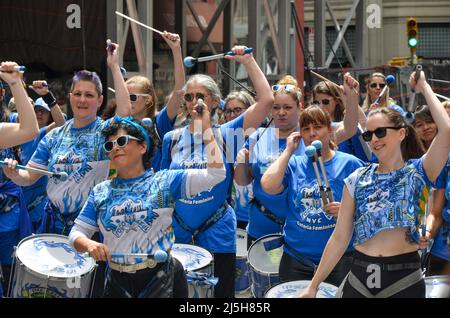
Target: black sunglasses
(324, 101)
(374, 85)
(190, 97)
(134, 97)
(121, 142)
(236, 111)
(380, 132)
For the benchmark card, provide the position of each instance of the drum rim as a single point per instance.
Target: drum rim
(197, 269)
(292, 281)
(19, 262)
(438, 277)
(250, 248)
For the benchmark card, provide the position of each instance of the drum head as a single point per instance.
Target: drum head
(262, 260)
(437, 286)
(51, 255)
(292, 289)
(191, 257)
(241, 243)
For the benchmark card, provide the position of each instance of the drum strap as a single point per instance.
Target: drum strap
(52, 214)
(213, 219)
(267, 213)
(389, 291)
(279, 241)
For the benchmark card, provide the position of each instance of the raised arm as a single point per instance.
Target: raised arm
(347, 128)
(176, 98)
(242, 170)
(272, 180)
(436, 156)
(258, 112)
(27, 128)
(336, 246)
(199, 180)
(41, 88)
(122, 96)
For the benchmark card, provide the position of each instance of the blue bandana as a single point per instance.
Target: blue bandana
(129, 121)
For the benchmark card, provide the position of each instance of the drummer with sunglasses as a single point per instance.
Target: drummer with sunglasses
(144, 100)
(133, 212)
(375, 84)
(207, 220)
(380, 206)
(348, 119)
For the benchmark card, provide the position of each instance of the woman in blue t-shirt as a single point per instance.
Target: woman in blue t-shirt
(133, 212)
(380, 207)
(207, 220)
(75, 148)
(144, 101)
(327, 96)
(309, 220)
(14, 219)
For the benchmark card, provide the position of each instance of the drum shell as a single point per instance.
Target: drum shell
(182, 252)
(263, 279)
(31, 283)
(241, 281)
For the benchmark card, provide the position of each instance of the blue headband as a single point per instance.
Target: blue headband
(129, 121)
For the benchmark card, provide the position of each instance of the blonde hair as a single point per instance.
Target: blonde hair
(146, 87)
(290, 80)
(367, 102)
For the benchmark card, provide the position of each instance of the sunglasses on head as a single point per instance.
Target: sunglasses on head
(374, 85)
(286, 88)
(380, 132)
(189, 97)
(134, 97)
(121, 142)
(324, 101)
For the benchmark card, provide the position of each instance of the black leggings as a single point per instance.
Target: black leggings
(224, 269)
(290, 269)
(387, 278)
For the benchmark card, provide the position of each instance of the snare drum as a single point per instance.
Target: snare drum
(293, 289)
(48, 267)
(437, 286)
(241, 282)
(264, 265)
(198, 265)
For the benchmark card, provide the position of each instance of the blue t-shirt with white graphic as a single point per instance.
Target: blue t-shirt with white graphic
(265, 148)
(79, 152)
(241, 197)
(163, 126)
(135, 215)
(184, 150)
(308, 227)
(387, 200)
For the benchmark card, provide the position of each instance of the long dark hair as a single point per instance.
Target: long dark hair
(412, 146)
(331, 90)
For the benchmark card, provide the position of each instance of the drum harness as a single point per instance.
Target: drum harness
(266, 212)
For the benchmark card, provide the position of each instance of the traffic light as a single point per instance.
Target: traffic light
(413, 32)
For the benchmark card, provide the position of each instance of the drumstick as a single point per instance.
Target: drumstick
(310, 151)
(139, 23)
(318, 145)
(323, 78)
